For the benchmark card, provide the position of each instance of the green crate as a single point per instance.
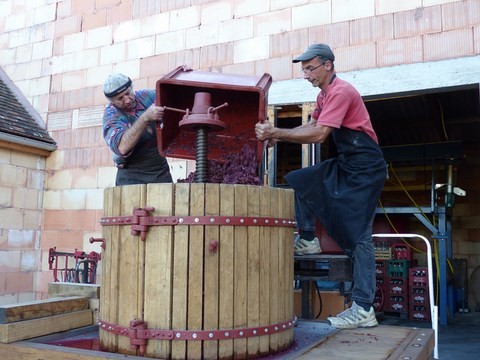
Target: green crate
(398, 268)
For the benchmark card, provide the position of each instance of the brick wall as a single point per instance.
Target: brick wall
(59, 52)
(21, 196)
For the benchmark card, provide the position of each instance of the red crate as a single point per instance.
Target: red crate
(420, 313)
(381, 282)
(397, 286)
(381, 268)
(419, 299)
(402, 251)
(396, 303)
(379, 301)
(418, 277)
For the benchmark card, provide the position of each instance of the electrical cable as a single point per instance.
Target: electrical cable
(396, 231)
(319, 301)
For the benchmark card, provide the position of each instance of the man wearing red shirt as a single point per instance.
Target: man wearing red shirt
(342, 192)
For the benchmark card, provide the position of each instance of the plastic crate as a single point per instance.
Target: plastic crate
(419, 299)
(402, 251)
(418, 278)
(419, 313)
(397, 286)
(398, 268)
(378, 301)
(396, 303)
(380, 268)
(383, 250)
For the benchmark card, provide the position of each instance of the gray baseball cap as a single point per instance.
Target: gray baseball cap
(322, 50)
(115, 84)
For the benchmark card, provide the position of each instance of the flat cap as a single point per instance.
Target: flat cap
(314, 50)
(115, 84)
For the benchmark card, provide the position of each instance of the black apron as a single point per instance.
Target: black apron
(145, 165)
(343, 192)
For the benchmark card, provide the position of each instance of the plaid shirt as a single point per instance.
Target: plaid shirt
(116, 122)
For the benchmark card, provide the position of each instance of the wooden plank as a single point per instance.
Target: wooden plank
(226, 249)
(377, 343)
(24, 350)
(264, 270)
(29, 329)
(253, 268)
(196, 270)
(288, 235)
(180, 269)
(418, 345)
(109, 296)
(285, 257)
(158, 269)
(240, 270)
(56, 289)
(210, 312)
(275, 271)
(41, 308)
(129, 275)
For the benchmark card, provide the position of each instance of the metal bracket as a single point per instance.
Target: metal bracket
(139, 333)
(141, 220)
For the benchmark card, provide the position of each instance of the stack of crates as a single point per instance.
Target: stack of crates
(396, 300)
(392, 264)
(392, 294)
(381, 275)
(419, 299)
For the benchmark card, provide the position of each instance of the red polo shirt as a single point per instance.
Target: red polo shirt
(342, 105)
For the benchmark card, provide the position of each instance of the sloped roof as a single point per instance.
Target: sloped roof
(19, 122)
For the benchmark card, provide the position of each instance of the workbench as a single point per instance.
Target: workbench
(327, 267)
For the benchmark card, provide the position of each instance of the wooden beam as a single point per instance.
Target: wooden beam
(56, 289)
(41, 308)
(25, 350)
(29, 329)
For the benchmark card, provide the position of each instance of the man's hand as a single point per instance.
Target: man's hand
(264, 130)
(154, 113)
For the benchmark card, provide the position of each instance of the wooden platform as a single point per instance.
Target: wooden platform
(379, 343)
(382, 343)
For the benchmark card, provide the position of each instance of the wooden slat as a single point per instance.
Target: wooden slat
(210, 312)
(284, 256)
(288, 236)
(109, 296)
(29, 329)
(56, 289)
(180, 269)
(275, 270)
(130, 268)
(264, 269)
(41, 308)
(240, 269)
(195, 270)
(25, 350)
(226, 249)
(418, 345)
(158, 269)
(253, 267)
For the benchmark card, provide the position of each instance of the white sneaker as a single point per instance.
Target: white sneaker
(306, 247)
(354, 317)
